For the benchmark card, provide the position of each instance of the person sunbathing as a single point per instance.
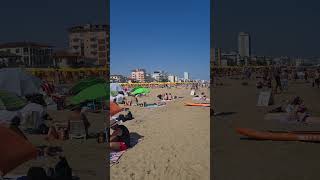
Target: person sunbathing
(294, 111)
(166, 96)
(170, 96)
(160, 96)
(120, 138)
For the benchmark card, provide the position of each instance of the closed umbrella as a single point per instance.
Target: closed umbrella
(91, 93)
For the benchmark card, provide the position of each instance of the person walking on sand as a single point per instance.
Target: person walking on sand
(284, 79)
(278, 80)
(317, 78)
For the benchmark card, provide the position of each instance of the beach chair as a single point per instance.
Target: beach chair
(33, 121)
(77, 130)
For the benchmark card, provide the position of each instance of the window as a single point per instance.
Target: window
(75, 47)
(94, 52)
(94, 46)
(102, 48)
(101, 41)
(102, 55)
(93, 39)
(76, 40)
(17, 50)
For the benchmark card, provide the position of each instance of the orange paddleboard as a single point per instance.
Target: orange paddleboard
(198, 104)
(279, 136)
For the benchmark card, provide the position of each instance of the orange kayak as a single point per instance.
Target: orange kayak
(280, 136)
(198, 104)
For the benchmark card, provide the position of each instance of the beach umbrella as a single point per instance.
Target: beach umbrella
(141, 91)
(135, 88)
(18, 81)
(113, 93)
(114, 109)
(91, 93)
(10, 101)
(14, 151)
(116, 87)
(85, 83)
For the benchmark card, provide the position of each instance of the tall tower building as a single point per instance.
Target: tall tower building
(244, 47)
(186, 76)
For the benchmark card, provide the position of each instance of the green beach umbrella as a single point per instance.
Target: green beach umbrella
(135, 88)
(91, 93)
(141, 91)
(10, 101)
(85, 83)
(114, 93)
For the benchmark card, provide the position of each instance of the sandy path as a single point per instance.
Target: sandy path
(175, 144)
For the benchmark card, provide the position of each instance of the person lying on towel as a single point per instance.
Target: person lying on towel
(120, 138)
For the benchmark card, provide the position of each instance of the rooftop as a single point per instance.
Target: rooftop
(4, 54)
(88, 28)
(24, 44)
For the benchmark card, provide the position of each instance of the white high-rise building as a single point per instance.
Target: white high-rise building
(244, 47)
(186, 76)
(171, 78)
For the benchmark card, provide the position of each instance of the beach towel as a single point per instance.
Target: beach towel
(200, 99)
(153, 105)
(115, 156)
(286, 118)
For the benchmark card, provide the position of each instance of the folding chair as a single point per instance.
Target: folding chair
(77, 130)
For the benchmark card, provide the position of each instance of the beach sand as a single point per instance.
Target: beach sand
(86, 158)
(235, 158)
(175, 143)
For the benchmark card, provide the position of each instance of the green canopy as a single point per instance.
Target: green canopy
(141, 91)
(114, 93)
(85, 83)
(91, 93)
(135, 88)
(10, 101)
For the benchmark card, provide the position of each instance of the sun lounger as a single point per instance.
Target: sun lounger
(33, 121)
(77, 130)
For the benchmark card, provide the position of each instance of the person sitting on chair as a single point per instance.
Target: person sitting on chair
(78, 116)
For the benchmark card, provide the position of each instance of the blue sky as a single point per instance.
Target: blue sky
(286, 27)
(170, 35)
(47, 21)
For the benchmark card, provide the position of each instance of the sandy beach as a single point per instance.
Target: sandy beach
(175, 141)
(86, 158)
(236, 158)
